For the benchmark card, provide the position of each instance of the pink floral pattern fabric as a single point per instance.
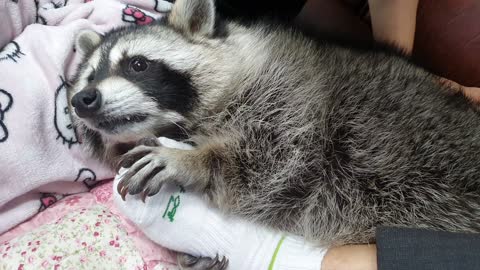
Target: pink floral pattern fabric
(86, 238)
(82, 231)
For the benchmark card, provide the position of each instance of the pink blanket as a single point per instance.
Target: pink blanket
(41, 157)
(45, 176)
(84, 229)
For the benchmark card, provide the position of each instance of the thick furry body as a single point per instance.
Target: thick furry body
(312, 138)
(329, 143)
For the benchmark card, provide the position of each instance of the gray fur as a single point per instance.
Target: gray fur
(189, 262)
(87, 41)
(194, 17)
(315, 139)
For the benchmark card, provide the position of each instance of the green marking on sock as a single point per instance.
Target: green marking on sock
(175, 201)
(274, 257)
(173, 204)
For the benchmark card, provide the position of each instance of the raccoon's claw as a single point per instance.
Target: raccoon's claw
(144, 195)
(189, 262)
(149, 167)
(123, 191)
(134, 155)
(128, 161)
(152, 166)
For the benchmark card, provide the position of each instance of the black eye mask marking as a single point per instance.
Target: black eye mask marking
(171, 89)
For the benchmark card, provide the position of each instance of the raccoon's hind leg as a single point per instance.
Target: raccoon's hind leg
(189, 262)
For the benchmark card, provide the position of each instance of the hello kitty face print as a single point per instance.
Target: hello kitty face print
(134, 15)
(62, 119)
(11, 52)
(6, 102)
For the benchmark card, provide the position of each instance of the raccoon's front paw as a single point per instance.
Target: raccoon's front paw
(151, 165)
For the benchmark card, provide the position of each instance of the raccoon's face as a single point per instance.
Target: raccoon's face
(136, 82)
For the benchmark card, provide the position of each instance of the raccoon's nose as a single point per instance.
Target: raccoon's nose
(87, 102)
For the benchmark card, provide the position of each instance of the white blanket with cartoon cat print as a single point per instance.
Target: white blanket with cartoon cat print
(41, 158)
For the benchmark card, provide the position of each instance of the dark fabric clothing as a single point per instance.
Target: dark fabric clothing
(284, 9)
(360, 7)
(253, 9)
(412, 249)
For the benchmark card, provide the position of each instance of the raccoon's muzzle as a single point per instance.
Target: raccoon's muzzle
(87, 102)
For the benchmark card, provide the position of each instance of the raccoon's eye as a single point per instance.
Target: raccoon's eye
(138, 64)
(91, 77)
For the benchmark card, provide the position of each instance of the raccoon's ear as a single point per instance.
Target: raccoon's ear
(87, 41)
(193, 17)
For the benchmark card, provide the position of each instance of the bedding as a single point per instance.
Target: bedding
(56, 209)
(82, 231)
(41, 156)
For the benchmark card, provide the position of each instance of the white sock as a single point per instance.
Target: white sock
(182, 221)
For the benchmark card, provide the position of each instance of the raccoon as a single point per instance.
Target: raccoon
(308, 137)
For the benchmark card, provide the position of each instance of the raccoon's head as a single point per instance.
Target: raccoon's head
(140, 81)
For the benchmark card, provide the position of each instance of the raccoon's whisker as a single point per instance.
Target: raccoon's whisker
(180, 127)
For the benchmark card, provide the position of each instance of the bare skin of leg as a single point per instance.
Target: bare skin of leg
(394, 21)
(352, 257)
(471, 93)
